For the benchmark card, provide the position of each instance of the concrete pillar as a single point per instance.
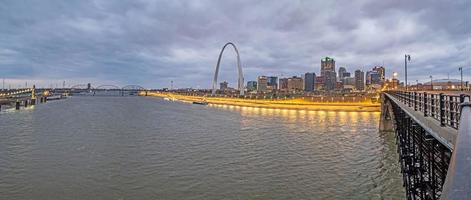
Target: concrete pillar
(26, 103)
(33, 102)
(17, 105)
(386, 122)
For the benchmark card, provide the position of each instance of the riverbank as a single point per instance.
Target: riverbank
(294, 104)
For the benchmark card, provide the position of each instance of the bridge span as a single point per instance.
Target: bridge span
(433, 134)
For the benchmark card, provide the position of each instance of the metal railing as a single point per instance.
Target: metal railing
(443, 107)
(449, 110)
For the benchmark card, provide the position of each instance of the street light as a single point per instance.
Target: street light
(406, 59)
(461, 71)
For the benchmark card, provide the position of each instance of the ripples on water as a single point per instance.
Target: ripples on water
(146, 148)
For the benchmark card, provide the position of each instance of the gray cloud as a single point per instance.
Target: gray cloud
(153, 42)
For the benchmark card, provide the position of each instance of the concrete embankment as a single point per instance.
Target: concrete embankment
(298, 104)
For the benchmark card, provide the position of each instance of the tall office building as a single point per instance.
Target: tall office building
(359, 80)
(251, 85)
(381, 71)
(262, 83)
(272, 83)
(330, 80)
(309, 81)
(373, 77)
(342, 71)
(327, 64)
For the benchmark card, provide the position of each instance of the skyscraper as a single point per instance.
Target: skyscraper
(330, 79)
(359, 80)
(262, 83)
(381, 71)
(342, 71)
(272, 83)
(327, 64)
(309, 81)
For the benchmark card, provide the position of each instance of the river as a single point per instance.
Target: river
(148, 148)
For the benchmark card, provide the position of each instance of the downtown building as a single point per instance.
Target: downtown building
(251, 86)
(295, 84)
(309, 82)
(272, 83)
(283, 84)
(262, 84)
(328, 73)
(359, 80)
(223, 86)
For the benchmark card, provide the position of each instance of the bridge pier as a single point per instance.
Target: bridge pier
(26, 103)
(17, 105)
(386, 122)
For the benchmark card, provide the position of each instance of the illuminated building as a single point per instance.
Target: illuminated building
(327, 64)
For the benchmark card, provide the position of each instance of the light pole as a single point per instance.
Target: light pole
(431, 83)
(417, 85)
(406, 59)
(461, 71)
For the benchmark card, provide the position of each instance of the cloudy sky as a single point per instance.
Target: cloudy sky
(151, 43)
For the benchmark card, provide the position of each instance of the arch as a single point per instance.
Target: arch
(241, 76)
(108, 87)
(133, 87)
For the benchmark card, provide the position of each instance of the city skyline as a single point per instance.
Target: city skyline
(152, 43)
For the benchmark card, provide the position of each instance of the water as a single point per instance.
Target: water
(147, 148)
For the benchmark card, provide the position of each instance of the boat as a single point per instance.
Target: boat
(200, 102)
(54, 97)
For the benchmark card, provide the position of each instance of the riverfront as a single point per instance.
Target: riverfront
(298, 103)
(148, 148)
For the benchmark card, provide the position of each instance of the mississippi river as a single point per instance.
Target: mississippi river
(148, 148)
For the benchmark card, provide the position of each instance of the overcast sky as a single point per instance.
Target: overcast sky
(150, 43)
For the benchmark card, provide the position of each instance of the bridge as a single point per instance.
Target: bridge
(433, 136)
(106, 90)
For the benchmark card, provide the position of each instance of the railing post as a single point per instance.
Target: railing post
(442, 109)
(425, 104)
(457, 179)
(415, 101)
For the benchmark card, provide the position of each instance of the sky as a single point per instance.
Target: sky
(151, 43)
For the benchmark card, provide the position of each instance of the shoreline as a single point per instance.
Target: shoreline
(295, 104)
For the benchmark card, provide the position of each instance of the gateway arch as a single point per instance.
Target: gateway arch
(241, 76)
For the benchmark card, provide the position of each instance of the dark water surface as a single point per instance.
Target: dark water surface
(147, 148)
